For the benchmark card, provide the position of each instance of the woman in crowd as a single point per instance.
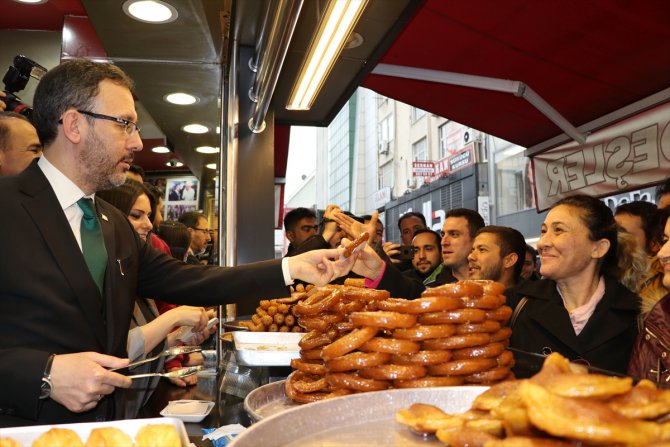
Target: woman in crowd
(150, 331)
(650, 358)
(579, 308)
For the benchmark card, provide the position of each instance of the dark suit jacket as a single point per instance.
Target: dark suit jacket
(402, 285)
(543, 325)
(49, 302)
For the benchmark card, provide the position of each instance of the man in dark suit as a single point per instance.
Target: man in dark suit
(61, 326)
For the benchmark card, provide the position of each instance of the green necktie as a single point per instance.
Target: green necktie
(92, 242)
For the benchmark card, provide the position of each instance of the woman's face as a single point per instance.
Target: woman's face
(139, 216)
(664, 254)
(564, 246)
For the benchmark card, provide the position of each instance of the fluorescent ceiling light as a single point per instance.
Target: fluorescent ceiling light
(336, 25)
(181, 99)
(150, 11)
(211, 166)
(160, 150)
(207, 150)
(195, 128)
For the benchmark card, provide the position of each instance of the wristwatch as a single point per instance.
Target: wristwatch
(47, 386)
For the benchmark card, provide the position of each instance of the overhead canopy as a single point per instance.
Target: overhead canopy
(585, 58)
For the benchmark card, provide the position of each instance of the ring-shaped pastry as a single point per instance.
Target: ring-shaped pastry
(380, 319)
(425, 332)
(353, 340)
(454, 316)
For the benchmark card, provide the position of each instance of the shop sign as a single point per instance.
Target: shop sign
(423, 169)
(461, 159)
(626, 156)
(382, 196)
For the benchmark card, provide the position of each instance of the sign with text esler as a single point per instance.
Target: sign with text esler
(628, 155)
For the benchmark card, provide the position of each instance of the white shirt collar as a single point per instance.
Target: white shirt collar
(66, 191)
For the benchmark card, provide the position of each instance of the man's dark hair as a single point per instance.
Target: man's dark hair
(294, 216)
(72, 84)
(191, 218)
(509, 241)
(475, 220)
(438, 238)
(663, 189)
(533, 253)
(645, 211)
(412, 214)
(137, 169)
(5, 127)
(176, 236)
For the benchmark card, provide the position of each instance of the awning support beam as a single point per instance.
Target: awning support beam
(517, 88)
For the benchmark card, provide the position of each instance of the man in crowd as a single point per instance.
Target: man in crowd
(497, 255)
(19, 143)
(458, 231)
(199, 228)
(529, 270)
(299, 225)
(636, 218)
(427, 260)
(377, 238)
(408, 224)
(73, 264)
(136, 173)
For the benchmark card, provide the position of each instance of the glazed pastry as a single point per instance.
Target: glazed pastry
(163, 435)
(108, 437)
(59, 437)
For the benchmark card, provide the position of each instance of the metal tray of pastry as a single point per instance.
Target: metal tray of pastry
(268, 400)
(26, 436)
(359, 419)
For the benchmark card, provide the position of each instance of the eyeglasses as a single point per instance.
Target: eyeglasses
(202, 230)
(128, 126)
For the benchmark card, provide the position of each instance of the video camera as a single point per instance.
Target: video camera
(16, 80)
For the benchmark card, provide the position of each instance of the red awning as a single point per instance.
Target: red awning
(585, 58)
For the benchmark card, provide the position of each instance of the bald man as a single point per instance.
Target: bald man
(19, 143)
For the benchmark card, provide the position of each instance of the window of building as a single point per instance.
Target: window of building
(420, 150)
(417, 113)
(442, 135)
(386, 176)
(385, 129)
(513, 186)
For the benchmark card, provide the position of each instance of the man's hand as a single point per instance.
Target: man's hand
(80, 380)
(329, 228)
(368, 263)
(391, 249)
(3, 106)
(318, 267)
(354, 228)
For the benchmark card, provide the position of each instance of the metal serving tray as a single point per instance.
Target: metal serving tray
(268, 400)
(27, 435)
(364, 419)
(266, 348)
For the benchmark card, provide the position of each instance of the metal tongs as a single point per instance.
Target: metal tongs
(175, 350)
(174, 374)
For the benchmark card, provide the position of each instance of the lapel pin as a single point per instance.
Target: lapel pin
(104, 217)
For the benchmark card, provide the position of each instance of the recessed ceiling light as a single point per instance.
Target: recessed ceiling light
(195, 128)
(160, 150)
(181, 99)
(211, 166)
(150, 11)
(207, 150)
(174, 163)
(31, 2)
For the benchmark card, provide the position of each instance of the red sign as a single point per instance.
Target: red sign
(459, 160)
(423, 169)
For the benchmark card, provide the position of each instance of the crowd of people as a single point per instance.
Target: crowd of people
(595, 288)
(590, 289)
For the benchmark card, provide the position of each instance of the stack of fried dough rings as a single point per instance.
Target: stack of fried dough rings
(363, 340)
(561, 406)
